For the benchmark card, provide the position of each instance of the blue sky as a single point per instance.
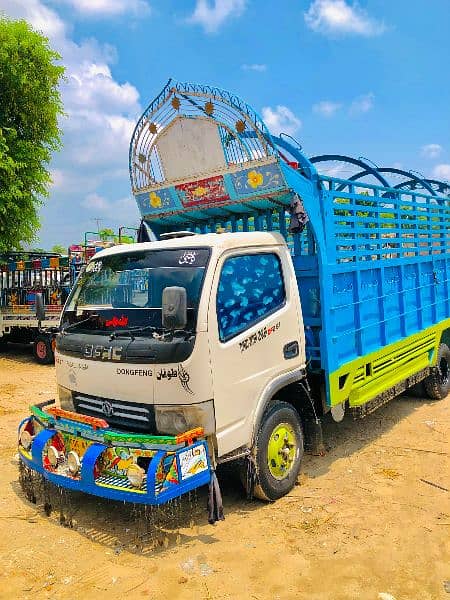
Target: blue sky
(367, 78)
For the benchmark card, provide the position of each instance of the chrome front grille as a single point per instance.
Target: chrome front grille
(118, 413)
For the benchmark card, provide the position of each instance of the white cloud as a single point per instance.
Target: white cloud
(42, 18)
(431, 150)
(95, 202)
(91, 88)
(101, 114)
(109, 8)
(326, 108)
(332, 17)
(99, 205)
(281, 120)
(255, 67)
(211, 17)
(362, 104)
(442, 172)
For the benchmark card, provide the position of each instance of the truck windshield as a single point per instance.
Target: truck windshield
(126, 289)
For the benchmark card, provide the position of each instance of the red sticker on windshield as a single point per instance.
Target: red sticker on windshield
(115, 322)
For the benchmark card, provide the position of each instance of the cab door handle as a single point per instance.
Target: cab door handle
(291, 350)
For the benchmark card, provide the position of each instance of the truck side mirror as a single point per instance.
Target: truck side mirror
(174, 307)
(39, 307)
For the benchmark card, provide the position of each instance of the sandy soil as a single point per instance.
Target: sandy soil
(361, 525)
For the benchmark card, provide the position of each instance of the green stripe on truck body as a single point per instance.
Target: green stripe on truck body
(365, 378)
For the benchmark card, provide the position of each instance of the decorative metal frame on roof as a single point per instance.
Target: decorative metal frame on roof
(412, 181)
(234, 118)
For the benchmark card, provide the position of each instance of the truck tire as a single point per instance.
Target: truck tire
(278, 452)
(437, 384)
(43, 349)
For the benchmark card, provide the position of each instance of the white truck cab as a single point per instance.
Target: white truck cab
(241, 340)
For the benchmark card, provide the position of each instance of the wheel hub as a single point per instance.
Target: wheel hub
(281, 451)
(41, 349)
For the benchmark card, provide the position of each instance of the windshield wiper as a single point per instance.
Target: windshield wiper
(75, 325)
(162, 330)
(133, 330)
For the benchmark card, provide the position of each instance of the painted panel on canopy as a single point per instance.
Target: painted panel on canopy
(257, 180)
(157, 202)
(203, 191)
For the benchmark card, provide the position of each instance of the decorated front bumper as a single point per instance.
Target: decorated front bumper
(83, 453)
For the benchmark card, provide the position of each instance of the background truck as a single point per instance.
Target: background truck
(266, 295)
(22, 276)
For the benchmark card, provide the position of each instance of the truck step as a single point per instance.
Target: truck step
(359, 412)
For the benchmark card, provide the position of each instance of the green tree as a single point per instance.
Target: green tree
(30, 104)
(125, 239)
(59, 249)
(106, 234)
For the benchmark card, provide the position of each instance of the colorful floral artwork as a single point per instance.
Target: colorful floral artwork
(255, 179)
(260, 179)
(156, 202)
(205, 191)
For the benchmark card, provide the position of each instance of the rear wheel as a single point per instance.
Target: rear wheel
(278, 452)
(43, 349)
(437, 384)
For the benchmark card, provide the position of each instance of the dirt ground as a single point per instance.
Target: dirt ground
(362, 524)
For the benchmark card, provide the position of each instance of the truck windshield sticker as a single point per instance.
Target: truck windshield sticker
(188, 257)
(116, 322)
(250, 288)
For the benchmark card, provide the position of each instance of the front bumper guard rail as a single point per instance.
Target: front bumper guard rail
(87, 483)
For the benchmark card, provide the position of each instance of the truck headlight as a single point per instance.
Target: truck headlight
(73, 462)
(174, 419)
(53, 456)
(65, 398)
(136, 475)
(26, 439)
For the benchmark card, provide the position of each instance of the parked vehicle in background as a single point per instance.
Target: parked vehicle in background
(22, 276)
(25, 274)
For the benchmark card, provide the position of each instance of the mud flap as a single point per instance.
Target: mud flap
(313, 437)
(215, 504)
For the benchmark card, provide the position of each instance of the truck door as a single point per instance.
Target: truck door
(255, 333)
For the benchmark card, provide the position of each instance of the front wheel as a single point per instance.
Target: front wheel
(437, 384)
(278, 452)
(43, 349)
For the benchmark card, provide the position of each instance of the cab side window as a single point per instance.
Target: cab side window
(250, 288)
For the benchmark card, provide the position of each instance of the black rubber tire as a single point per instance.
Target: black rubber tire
(43, 342)
(269, 488)
(3, 345)
(437, 384)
